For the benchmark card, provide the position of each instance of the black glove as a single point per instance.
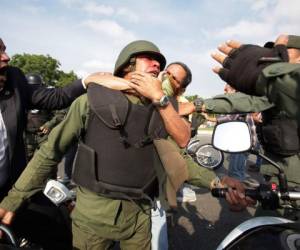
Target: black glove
(243, 65)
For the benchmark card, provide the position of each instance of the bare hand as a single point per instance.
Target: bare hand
(147, 85)
(6, 216)
(236, 194)
(44, 130)
(282, 39)
(257, 117)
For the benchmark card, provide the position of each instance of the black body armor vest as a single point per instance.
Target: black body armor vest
(116, 156)
(279, 134)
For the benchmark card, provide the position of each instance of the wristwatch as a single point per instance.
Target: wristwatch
(163, 101)
(198, 102)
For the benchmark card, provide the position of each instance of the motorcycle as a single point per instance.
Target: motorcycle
(9, 241)
(261, 232)
(205, 155)
(54, 231)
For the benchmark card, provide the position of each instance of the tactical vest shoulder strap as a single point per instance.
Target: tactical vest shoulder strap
(110, 106)
(155, 127)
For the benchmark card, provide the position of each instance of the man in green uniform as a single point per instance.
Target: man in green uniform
(272, 88)
(102, 215)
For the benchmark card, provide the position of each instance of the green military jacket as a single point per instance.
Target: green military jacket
(240, 103)
(280, 83)
(237, 103)
(92, 210)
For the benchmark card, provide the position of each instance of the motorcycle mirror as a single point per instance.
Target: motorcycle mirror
(232, 137)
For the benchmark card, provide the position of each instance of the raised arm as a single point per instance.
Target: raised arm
(150, 87)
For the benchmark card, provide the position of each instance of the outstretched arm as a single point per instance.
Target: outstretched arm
(108, 80)
(230, 104)
(45, 160)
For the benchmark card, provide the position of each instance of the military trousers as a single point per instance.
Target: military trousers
(134, 234)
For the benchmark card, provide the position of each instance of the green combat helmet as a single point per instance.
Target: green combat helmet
(136, 48)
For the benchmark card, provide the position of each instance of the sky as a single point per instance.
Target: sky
(87, 36)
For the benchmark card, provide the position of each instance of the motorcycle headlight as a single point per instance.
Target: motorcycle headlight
(56, 192)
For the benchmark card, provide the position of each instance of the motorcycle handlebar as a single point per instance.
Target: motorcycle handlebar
(9, 233)
(258, 194)
(294, 195)
(221, 193)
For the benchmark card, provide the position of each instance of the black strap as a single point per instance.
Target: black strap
(147, 138)
(115, 116)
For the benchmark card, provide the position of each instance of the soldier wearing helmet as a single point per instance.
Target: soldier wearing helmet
(117, 168)
(34, 79)
(36, 128)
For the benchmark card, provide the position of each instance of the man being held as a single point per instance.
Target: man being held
(115, 133)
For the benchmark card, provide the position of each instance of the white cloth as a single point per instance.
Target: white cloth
(159, 230)
(3, 152)
(186, 194)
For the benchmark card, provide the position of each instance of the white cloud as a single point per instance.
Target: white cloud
(33, 9)
(128, 14)
(94, 8)
(287, 11)
(273, 18)
(96, 64)
(258, 5)
(110, 28)
(71, 3)
(86, 36)
(247, 30)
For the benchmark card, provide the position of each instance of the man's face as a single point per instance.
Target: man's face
(4, 58)
(178, 74)
(294, 55)
(147, 64)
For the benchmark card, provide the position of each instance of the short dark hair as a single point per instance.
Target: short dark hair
(188, 77)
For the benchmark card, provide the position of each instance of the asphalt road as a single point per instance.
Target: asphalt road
(203, 224)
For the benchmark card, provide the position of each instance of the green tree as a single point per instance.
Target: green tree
(65, 78)
(46, 66)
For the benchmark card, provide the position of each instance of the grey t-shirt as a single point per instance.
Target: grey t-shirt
(3, 152)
